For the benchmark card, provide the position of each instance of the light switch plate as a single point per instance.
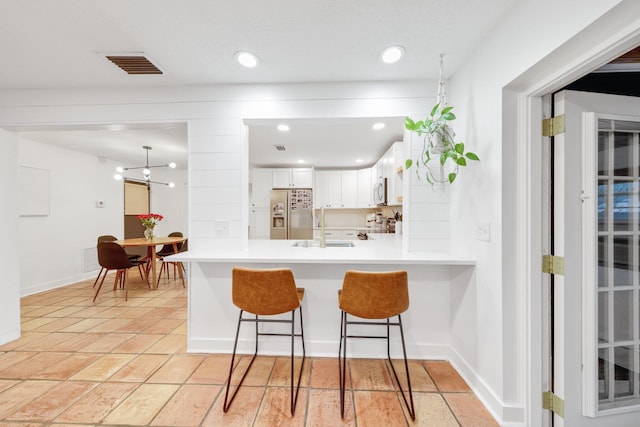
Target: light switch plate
(222, 228)
(484, 232)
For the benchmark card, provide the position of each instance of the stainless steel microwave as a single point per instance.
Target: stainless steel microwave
(380, 192)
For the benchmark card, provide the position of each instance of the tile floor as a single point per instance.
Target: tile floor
(125, 363)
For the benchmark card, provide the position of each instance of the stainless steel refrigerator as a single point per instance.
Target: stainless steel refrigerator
(292, 214)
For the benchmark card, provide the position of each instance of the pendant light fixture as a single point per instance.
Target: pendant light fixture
(146, 171)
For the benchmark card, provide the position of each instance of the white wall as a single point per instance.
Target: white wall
(493, 314)
(57, 242)
(9, 256)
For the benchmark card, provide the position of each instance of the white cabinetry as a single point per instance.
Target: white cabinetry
(293, 178)
(335, 234)
(336, 189)
(260, 196)
(260, 187)
(365, 188)
(387, 167)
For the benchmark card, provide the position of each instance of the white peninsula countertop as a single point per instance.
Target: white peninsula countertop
(381, 249)
(433, 279)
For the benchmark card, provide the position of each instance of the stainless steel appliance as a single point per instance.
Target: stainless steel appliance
(380, 192)
(292, 214)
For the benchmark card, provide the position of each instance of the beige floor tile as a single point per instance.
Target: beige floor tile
(420, 379)
(52, 402)
(33, 365)
(6, 384)
(242, 411)
(140, 368)
(62, 370)
(21, 394)
(103, 368)
(58, 324)
(67, 311)
(76, 341)
(258, 374)
(96, 404)
(281, 373)
(13, 357)
(141, 406)
(369, 374)
(107, 343)
(188, 406)
(84, 325)
(431, 411)
(110, 325)
(138, 343)
(163, 326)
(36, 323)
(325, 373)
(169, 344)
(378, 408)
(182, 328)
(214, 369)
(469, 411)
(445, 377)
(25, 338)
(324, 409)
(177, 369)
(275, 408)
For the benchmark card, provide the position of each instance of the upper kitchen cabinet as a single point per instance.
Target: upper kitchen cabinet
(365, 186)
(292, 178)
(261, 185)
(336, 189)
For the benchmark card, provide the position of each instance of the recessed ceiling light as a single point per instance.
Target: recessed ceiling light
(301, 161)
(246, 59)
(378, 126)
(283, 128)
(392, 54)
(359, 160)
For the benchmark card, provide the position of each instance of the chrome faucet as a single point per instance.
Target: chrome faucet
(323, 239)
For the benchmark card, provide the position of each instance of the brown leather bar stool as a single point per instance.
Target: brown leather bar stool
(373, 295)
(266, 292)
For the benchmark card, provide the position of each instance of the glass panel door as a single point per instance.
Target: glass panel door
(618, 255)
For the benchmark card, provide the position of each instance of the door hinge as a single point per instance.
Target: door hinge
(553, 264)
(553, 403)
(553, 126)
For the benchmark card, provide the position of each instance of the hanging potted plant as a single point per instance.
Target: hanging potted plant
(441, 157)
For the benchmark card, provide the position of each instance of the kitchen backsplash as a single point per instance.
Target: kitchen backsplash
(353, 218)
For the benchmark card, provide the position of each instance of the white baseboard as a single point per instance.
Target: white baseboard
(42, 287)
(505, 415)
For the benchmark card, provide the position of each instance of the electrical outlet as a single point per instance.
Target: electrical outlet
(484, 232)
(99, 203)
(222, 228)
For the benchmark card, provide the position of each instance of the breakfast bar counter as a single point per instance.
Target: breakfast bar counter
(432, 278)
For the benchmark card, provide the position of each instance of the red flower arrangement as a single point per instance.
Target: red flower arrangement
(150, 220)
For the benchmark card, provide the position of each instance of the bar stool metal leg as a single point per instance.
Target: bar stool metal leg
(227, 401)
(410, 407)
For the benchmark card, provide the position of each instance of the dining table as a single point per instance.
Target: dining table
(151, 250)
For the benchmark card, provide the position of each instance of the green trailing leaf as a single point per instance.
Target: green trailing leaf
(449, 116)
(461, 161)
(408, 163)
(445, 110)
(452, 177)
(410, 124)
(443, 158)
(459, 147)
(472, 156)
(434, 110)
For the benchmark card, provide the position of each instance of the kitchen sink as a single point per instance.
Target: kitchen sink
(329, 244)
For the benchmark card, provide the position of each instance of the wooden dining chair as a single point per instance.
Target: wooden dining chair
(110, 238)
(112, 256)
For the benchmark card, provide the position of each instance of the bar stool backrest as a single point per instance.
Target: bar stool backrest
(374, 295)
(264, 291)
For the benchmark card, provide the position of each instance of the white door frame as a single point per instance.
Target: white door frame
(568, 63)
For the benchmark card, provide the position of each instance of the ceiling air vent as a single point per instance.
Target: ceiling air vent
(280, 147)
(134, 64)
